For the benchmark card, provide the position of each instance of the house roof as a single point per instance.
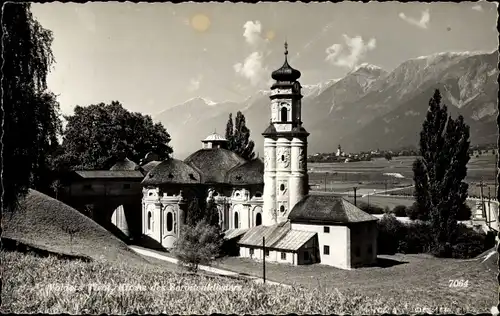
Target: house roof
(294, 239)
(214, 163)
(324, 209)
(172, 171)
(109, 174)
(278, 236)
(251, 172)
(235, 232)
(125, 164)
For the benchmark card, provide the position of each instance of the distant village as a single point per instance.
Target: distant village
(341, 156)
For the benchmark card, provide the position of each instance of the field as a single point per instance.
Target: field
(33, 284)
(342, 177)
(421, 277)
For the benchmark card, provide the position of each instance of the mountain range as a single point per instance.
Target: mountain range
(368, 108)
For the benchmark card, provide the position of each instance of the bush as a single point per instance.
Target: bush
(399, 211)
(370, 208)
(416, 238)
(470, 243)
(197, 245)
(390, 232)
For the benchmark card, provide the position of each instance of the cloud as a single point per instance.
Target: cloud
(252, 68)
(194, 84)
(253, 32)
(478, 8)
(352, 53)
(423, 23)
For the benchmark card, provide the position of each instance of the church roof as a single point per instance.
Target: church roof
(172, 171)
(150, 165)
(251, 172)
(214, 137)
(234, 232)
(125, 164)
(214, 163)
(324, 209)
(286, 72)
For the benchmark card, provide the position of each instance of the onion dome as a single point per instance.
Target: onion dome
(286, 72)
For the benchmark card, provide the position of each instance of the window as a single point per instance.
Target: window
(258, 219)
(170, 221)
(251, 251)
(282, 187)
(370, 249)
(267, 253)
(326, 250)
(282, 209)
(170, 176)
(284, 114)
(283, 256)
(326, 229)
(357, 252)
(149, 220)
(236, 220)
(126, 186)
(282, 157)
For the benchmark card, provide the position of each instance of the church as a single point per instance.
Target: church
(261, 201)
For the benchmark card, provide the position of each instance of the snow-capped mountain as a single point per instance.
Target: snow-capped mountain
(368, 108)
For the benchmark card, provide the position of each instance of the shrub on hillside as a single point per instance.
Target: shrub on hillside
(370, 208)
(471, 243)
(415, 238)
(197, 245)
(399, 211)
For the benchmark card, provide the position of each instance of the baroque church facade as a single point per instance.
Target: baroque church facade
(261, 201)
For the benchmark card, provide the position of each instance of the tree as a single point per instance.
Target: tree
(28, 110)
(95, 135)
(388, 156)
(239, 140)
(194, 212)
(440, 190)
(197, 244)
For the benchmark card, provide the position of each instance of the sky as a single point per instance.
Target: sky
(151, 56)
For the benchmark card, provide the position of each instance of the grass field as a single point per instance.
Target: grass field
(422, 278)
(48, 285)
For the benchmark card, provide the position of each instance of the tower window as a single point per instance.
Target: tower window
(282, 157)
(236, 220)
(258, 219)
(282, 208)
(284, 114)
(282, 187)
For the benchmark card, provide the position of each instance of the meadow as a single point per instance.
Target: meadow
(34, 284)
(380, 174)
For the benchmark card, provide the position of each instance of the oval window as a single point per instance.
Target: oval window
(282, 209)
(282, 187)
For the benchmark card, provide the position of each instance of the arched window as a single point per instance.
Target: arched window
(282, 187)
(149, 220)
(236, 220)
(258, 219)
(170, 221)
(282, 208)
(284, 114)
(283, 158)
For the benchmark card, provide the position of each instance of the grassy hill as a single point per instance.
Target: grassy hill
(50, 225)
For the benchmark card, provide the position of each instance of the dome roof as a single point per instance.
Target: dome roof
(286, 72)
(125, 165)
(150, 165)
(214, 137)
(214, 163)
(251, 172)
(172, 171)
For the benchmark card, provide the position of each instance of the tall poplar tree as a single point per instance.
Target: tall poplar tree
(239, 140)
(440, 189)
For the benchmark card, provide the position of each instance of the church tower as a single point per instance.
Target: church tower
(285, 147)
